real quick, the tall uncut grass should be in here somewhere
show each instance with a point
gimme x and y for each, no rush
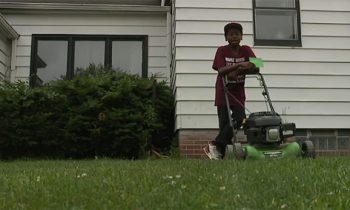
(323, 183)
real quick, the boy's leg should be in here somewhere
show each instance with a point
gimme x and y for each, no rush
(216, 149)
(225, 131)
(225, 134)
(238, 115)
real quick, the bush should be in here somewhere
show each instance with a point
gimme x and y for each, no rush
(100, 112)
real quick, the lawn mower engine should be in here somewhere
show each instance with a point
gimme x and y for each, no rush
(267, 128)
(267, 134)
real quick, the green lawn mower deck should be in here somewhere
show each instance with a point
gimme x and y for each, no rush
(267, 135)
(267, 138)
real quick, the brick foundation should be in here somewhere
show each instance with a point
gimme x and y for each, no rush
(191, 142)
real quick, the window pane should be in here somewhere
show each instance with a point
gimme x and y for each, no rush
(89, 52)
(276, 3)
(127, 56)
(51, 60)
(276, 25)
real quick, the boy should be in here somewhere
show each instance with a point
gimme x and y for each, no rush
(231, 60)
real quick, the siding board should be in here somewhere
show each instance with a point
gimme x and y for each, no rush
(325, 29)
(53, 19)
(324, 5)
(211, 14)
(237, 14)
(2, 70)
(5, 46)
(217, 27)
(290, 108)
(22, 72)
(208, 27)
(322, 17)
(110, 30)
(5, 55)
(297, 54)
(157, 62)
(157, 51)
(304, 121)
(23, 61)
(276, 81)
(24, 40)
(3, 58)
(153, 41)
(23, 50)
(162, 72)
(118, 2)
(273, 67)
(214, 40)
(276, 94)
(214, 4)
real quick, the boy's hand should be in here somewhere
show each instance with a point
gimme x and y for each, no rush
(246, 65)
(232, 75)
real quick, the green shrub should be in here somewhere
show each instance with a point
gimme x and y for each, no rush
(100, 112)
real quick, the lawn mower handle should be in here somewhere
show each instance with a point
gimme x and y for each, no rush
(265, 94)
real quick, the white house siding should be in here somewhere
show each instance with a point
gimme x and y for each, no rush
(5, 56)
(90, 23)
(310, 85)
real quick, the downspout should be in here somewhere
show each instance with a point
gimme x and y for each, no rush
(13, 35)
(162, 3)
(13, 60)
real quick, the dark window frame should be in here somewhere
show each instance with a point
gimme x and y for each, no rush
(275, 42)
(71, 38)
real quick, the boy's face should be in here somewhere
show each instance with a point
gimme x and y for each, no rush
(234, 37)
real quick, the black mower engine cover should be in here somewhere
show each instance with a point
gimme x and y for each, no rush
(267, 128)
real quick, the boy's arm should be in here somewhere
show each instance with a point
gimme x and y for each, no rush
(250, 69)
(219, 63)
(244, 68)
(229, 69)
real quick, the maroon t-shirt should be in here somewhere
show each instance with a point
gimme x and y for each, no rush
(224, 57)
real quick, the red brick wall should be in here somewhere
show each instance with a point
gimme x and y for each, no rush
(191, 143)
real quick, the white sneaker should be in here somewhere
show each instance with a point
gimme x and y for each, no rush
(212, 152)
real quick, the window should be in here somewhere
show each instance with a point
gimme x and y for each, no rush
(125, 55)
(51, 64)
(86, 52)
(59, 56)
(277, 22)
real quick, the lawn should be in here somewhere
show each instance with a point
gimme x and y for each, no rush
(323, 183)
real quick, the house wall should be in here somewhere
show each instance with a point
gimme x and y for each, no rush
(5, 56)
(112, 23)
(120, 2)
(310, 85)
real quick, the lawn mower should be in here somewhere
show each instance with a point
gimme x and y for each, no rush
(265, 131)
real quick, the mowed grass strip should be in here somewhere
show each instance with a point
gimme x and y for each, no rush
(323, 183)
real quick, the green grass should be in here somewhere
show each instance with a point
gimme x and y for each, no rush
(323, 183)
